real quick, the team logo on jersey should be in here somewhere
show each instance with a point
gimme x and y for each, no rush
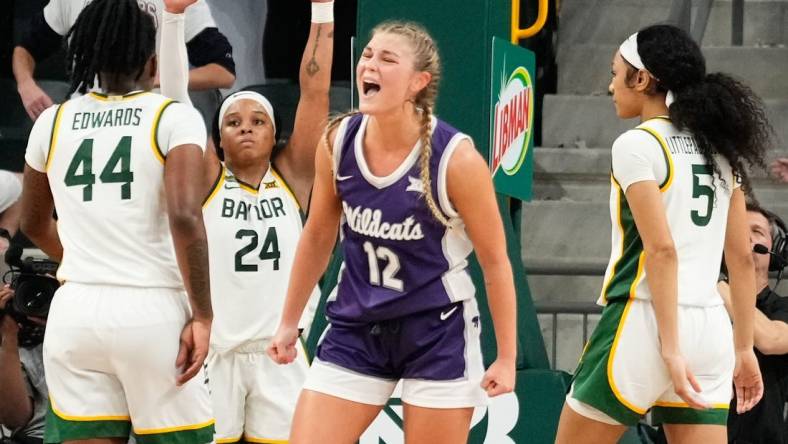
(513, 122)
(415, 184)
(369, 222)
(269, 185)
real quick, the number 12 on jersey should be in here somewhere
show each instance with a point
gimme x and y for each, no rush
(387, 277)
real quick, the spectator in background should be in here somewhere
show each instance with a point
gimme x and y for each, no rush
(766, 422)
(209, 52)
(23, 404)
(10, 190)
(780, 169)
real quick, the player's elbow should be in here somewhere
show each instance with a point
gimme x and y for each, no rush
(222, 78)
(771, 342)
(186, 219)
(662, 252)
(32, 227)
(739, 261)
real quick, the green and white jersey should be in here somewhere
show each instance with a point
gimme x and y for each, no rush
(696, 203)
(253, 233)
(104, 158)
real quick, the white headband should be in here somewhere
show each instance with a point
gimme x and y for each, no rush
(629, 52)
(251, 95)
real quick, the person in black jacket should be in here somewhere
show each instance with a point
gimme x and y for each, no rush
(766, 422)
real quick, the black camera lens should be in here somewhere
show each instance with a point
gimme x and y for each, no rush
(33, 295)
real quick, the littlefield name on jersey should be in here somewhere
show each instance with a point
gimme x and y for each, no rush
(367, 221)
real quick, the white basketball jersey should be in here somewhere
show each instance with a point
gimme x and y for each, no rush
(104, 158)
(696, 202)
(252, 239)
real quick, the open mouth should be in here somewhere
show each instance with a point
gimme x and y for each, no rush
(370, 88)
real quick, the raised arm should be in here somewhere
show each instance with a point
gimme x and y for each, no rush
(471, 191)
(311, 259)
(297, 161)
(173, 60)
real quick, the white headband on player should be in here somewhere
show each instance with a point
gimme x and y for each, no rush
(251, 95)
(629, 52)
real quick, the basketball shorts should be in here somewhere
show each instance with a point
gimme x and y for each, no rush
(253, 397)
(109, 361)
(435, 354)
(621, 374)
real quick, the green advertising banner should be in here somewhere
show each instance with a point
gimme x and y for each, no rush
(512, 118)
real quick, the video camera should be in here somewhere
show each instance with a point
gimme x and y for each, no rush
(34, 287)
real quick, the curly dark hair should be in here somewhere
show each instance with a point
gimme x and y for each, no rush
(112, 37)
(725, 116)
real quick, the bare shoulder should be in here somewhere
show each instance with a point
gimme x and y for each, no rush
(466, 158)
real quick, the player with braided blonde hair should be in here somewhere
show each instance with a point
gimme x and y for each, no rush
(414, 198)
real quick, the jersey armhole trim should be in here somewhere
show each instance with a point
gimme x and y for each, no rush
(286, 187)
(53, 136)
(339, 139)
(155, 131)
(665, 154)
(217, 184)
(443, 168)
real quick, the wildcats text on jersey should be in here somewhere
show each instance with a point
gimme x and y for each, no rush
(367, 222)
(112, 117)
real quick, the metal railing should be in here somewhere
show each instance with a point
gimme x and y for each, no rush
(554, 309)
(517, 33)
(681, 16)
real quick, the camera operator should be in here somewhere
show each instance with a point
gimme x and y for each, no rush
(766, 422)
(24, 401)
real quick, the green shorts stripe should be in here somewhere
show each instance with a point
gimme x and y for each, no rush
(58, 429)
(591, 383)
(188, 436)
(688, 415)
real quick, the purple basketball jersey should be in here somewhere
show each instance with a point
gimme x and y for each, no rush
(398, 259)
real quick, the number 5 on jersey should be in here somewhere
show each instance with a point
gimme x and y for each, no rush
(83, 159)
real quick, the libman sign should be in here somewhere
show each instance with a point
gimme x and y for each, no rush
(512, 119)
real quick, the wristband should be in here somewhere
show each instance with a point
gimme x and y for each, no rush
(323, 12)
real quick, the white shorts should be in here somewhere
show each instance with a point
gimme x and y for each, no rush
(622, 375)
(253, 397)
(465, 391)
(109, 360)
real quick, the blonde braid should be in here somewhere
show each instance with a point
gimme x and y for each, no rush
(424, 163)
(333, 124)
(426, 60)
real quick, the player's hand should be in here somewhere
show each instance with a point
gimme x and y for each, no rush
(499, 378)
(779, 169)
(282, 348)
(4, 244)
(684, 382)
(177, 6)
(193, 350)
(747, 380)
(34, 99)
(9, 328)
